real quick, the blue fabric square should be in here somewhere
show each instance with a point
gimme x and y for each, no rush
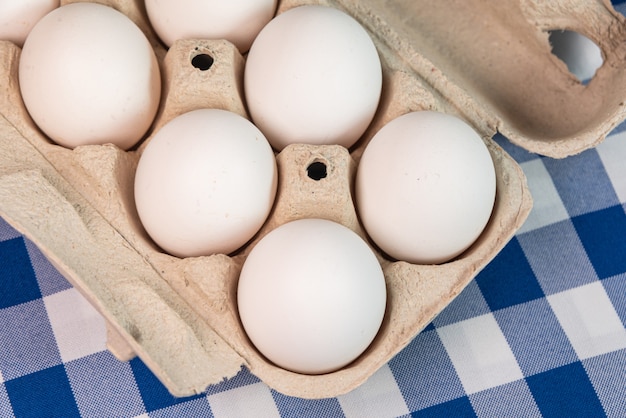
(565, 392)
(155, 396)
(302, 408)
(46, 393)
(603, 234)
(426, 361)
(582, 182)
(101, 382)
(565, 265)
(458, 408)
(508, 280)
(18, 283)
(535, 336)
(27, 341)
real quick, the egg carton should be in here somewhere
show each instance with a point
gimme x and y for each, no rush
(487, 62)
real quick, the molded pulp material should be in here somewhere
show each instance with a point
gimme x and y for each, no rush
(486, 62)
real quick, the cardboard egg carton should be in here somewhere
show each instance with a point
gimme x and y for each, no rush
(488, 62)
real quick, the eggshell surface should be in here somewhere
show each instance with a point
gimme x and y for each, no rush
(205, 183)
(311, 296)
(425, 187)
(17, 17)
(88, 75)
(313, 76)
(238, 21)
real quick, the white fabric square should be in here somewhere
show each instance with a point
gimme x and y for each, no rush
(78, 328)
(480, 353)
(589, 320)
(548, 208)
(613, 155)
(244, 402)
(378, 397)
(1, 377)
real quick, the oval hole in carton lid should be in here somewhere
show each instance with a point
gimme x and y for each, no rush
(581, 55)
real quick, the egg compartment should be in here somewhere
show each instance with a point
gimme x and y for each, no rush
(179, 315)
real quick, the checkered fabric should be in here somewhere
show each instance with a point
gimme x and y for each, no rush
(539, 332)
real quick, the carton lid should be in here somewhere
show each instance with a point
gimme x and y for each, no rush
(492, 61)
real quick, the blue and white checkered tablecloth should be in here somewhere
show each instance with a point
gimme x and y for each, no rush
(540, 331)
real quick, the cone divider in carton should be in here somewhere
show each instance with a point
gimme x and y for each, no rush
(180, 315)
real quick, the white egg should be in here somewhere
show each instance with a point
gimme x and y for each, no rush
(17, 17)
(88, 75)
(311, 296)
(238, 21)
(205, 183)
(313, 75)
(425, 187)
